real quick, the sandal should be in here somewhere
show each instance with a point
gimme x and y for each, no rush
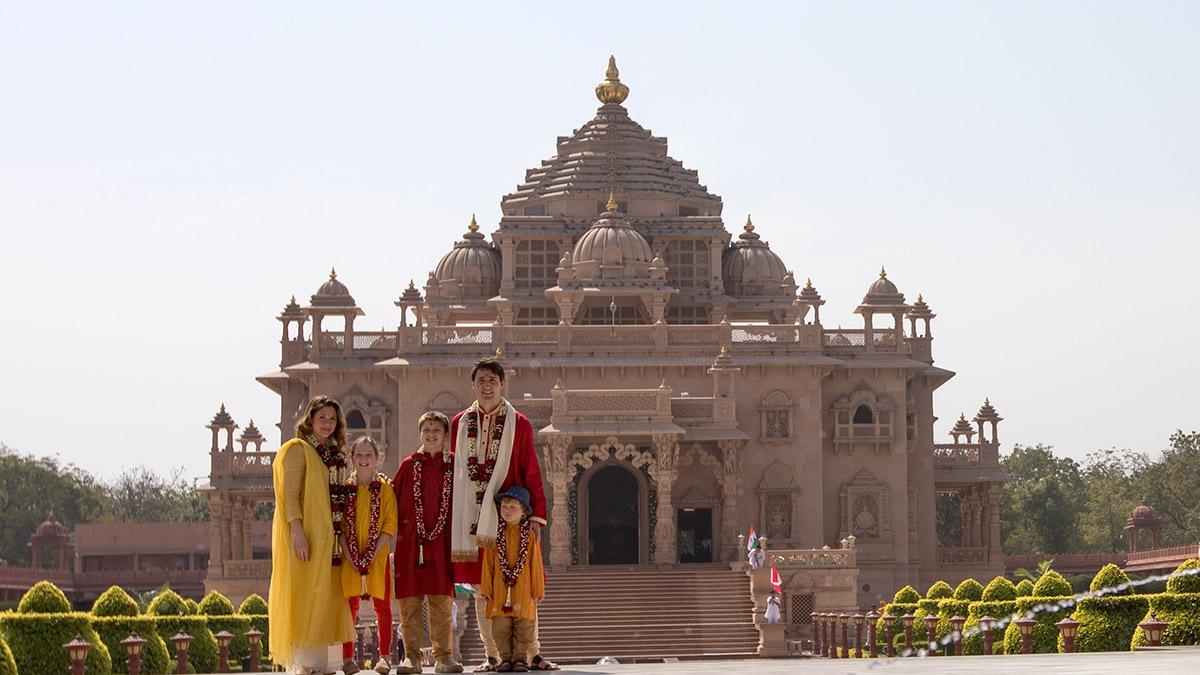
(505, 666)
(540, 662)
(488, 666)
(520, 667)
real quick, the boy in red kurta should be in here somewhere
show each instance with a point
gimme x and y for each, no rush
(423, 571)
(513, 581)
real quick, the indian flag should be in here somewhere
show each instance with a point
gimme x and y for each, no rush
(752, 542)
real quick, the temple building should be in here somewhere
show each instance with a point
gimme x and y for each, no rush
(680, 382)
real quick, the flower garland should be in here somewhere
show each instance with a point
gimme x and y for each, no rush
(361, 559)
(423, 535)
(511, 574)
(336, 463)
(481, 475)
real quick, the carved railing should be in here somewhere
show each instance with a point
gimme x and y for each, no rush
(531, 335)
(630, 336)
(765, 334)
(956, 454)
(1177, 554)
(466, 335)
(833, 557)
(962, 555)
(689, 408)
(680, 336)
(375, 341)
(616, 401)
(246, 569)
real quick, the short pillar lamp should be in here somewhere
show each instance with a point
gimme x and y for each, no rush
(889, 627)
(816, 624)
(1153, 628)
(77, 650)
(1068, 627)
(873, 631)
(1025, 624)
(931, 632)
(360, 652)
(133, 651)
(255, 637)
(827, 620)
(223, 639)
(844, 621)
(181, 640)
(908, 619)
(988, 623)
(956, 625)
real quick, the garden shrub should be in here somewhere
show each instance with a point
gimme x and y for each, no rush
(939, 591)
(969, 589)
(255, 608)
(1001, 610)
(168, 603)
(156, 654)
(1188, 583)
(239, 646)
(1051, 585)
(37, 639)
(1024, 589)
(8, 665)
(908, 594)
(1000, 589)
(193, 608)
(1107, 623)
(253, 605)
(215, 604)
(1110, 576)
(1045, 633)
(1080, 583)
(173, 615)
(44, 598)
(1181, 611)
(115, 602)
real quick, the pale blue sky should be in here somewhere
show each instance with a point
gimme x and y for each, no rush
(171, 173)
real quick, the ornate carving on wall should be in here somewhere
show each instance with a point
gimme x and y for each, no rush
(865, 506)
(666, 449)
(779, 516)
(800, 582)
(697, 455)
(864, 515)
(777, 497)
(777, 475)
(611, 447)
(695, 498)
(447, 403)
(776, 411)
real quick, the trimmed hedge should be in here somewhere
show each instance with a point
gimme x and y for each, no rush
(1052, 584)
(1045, 633)
(37, 639)
(44, 598)
(156, 654)
(168, 603)
(255, 608)
(939, 591)
(1110, 576)
(1181, 611)
(193, 607)
(1001, 610)
(239, 646)
(253, 605)
(908, 594)
(1001, 589)
(173, 615)
(215, 604)
(1024, 589)
(115, 602)
(1185, 584)
(8, 665)
(1107, 623)
(969, 589)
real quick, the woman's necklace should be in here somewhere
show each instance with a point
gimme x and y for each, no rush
(424, 536)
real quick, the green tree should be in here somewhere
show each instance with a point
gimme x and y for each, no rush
(1110, 477)
(1040, 509)
(1172, 487)
(139, 495)
(33, 487)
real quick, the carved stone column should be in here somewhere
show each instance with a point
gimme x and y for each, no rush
(731, 455)
(247, 538)
(995, 554)
(236, 521)
(558, 451)
(666, 450)
(216, 558)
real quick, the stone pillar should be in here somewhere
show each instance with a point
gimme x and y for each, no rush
(995, 554)
(237, 510)
(977, 518)
(247, 538)
(558, 451)
(731, 455)
(666, 449)
(216, 557)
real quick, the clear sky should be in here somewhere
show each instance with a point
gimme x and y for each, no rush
(171, 173)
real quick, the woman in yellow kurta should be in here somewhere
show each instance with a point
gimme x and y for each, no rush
(306, 608)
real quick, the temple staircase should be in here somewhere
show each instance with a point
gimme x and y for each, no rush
(641, 613)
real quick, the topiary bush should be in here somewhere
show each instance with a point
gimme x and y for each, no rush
(969, 589)
(1001, 610)
(255, 609)
(115, 602)
(897, 610)
(44, 598)
(1045, 633)
(1052, 585)
(1188, 583)
(1181, 611)
(8, 665)
(908, 594)
(939, 591)
(193, 608)
(1107, 623)
(253, 605)
(215, 604)
(1110, 576)
(1000, 589)
(1024, 589)
(168, 603)
(156, 654)
(174, 615)
(37, 639)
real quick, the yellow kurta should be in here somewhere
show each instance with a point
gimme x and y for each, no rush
(379, 575)
(531, 583)
(305, 606)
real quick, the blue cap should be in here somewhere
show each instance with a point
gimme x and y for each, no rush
(518, 493)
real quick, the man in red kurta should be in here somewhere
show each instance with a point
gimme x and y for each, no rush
(494, 450)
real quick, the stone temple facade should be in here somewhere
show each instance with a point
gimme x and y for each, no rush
(678, 377)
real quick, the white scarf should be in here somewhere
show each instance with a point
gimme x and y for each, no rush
(463, 546)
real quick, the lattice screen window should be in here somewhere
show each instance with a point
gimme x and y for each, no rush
(687, 263)
(777, 424)
(799, 609)
(536, 316)
(535, 262)
(687, 315)
(597, 315)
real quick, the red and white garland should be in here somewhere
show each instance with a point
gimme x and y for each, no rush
(336, 463)
(482, 475)
(511, 574)
(362, 558)
(423, 535)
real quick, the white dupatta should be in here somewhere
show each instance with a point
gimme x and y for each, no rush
(467, 514)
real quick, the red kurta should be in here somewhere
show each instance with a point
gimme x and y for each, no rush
(523, 470)
(436, 577)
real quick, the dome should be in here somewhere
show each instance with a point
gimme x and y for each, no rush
(473, 265)
(1145, 515)
(50, 529)
(883, 285)
(611, 241)
(882, 293)
(750, 267)
(332, 293)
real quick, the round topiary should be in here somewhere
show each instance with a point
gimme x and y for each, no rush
(44, 598)
(168, 603)
(1024, 589)
(1111, 576)
(253, 605)
(215, 604)
(908, 594)
(8, 665)
(115, 602)
(1052, 584)
(1186, 583)
(1000, 590)
(193, 608)
(969, 589)
(939, 591)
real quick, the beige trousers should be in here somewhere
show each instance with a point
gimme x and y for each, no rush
(489, 642)
(514, 637)
(412, 626)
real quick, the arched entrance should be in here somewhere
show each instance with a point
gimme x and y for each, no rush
(613, 517)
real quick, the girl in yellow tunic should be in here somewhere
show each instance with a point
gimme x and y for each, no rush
(306, 608)
(367, 539)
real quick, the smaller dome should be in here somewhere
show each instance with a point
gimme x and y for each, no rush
(473, 265)
(750, 267)
(332, 293)
(222, 419)
(1144, 515)
(50, 528)
(883, 285)
(610, 241)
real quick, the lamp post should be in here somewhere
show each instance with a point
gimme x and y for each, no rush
(830, 636)
(931, 632)
(816, 624)
(255, 637)
(988, 623)
(181, 640)
(844, 621)
(375, 641)
(223, 639)
(359, 649)
(908, 622)
(1068, 627)
(872, 631)
(956, 625)
(858, 626)
(1026, 624)
(889, 626)
(77, 650)
(133, 650)
(1153, 628)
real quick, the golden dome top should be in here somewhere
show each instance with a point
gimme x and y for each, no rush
(611, 90)
(474, 226)
(612, 204)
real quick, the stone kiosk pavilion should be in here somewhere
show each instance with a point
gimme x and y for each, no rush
(678, 377)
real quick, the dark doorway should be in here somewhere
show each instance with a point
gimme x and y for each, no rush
(612, 517)
(695, 535)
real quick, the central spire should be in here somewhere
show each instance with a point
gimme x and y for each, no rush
(611, 90)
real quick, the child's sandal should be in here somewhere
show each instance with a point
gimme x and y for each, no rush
(505, 666)
(520, 667)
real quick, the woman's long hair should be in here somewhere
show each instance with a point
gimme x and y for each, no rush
(304, 428)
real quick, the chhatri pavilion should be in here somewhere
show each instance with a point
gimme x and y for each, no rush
(681, 385)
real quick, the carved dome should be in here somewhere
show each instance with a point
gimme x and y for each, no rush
(50, 529)
(750, 267)
(610, 241)
(883, 285)
(332, 293)
(1145, 515)
(882, 294)
(472, 266)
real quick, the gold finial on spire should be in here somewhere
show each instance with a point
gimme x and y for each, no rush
(808, 284)
(986, 401)
(222, 407)
(723, 352)
(749, 227)
(920, 298)
(474, 226)
(882, 273)
(962, 416)
(497, 352)
(612, 204)
(411, 284)
(611, 90)
(332, 273)
(293, 299)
